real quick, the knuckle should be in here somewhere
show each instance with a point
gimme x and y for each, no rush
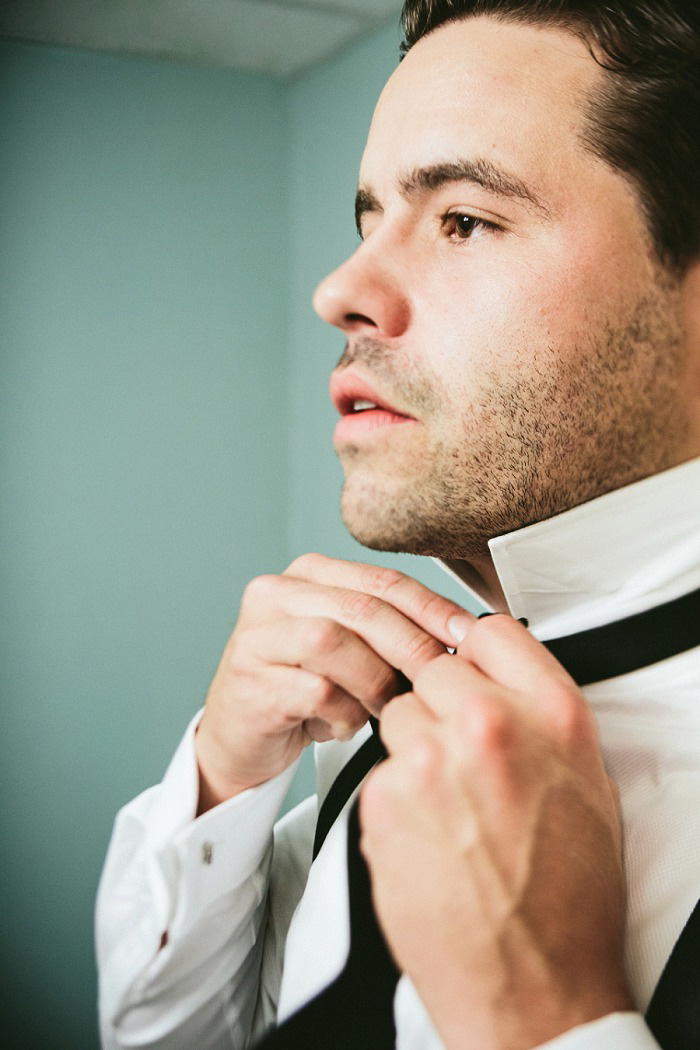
(344, 715)
(320, 691)
(381, 581)
(356, 716)
(491, 729)
(424, 759)
(382, 686)
(573, 719)
(358, 606)
(236, 661)
(317, 730)
(423, 648)
(429, 605)
(322, 637)
(257, 590)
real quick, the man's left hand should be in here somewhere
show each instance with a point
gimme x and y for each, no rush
(492, 834)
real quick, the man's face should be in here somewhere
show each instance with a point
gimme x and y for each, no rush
(504, 302)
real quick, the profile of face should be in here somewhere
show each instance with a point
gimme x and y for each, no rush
(504, 309)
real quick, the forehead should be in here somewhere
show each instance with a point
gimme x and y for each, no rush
(511, 92)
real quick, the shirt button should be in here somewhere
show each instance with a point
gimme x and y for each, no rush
(207, 852)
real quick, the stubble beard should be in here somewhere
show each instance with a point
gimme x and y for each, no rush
(533, 443)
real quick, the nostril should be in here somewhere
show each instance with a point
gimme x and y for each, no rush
(359, 319)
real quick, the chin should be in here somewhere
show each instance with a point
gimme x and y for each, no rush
(372, 534)
(380, 529)
(402, 523)
(394, 530)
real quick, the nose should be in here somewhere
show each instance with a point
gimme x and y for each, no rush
(364, 296)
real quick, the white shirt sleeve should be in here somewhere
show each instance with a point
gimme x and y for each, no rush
(184, 916)
(623, 1031)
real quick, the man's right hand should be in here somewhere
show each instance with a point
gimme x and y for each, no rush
(311, 657)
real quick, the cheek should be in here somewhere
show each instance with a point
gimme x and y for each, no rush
(524, 300)
(561, 303)
(596, 273)
(472, 323)
(459, 308)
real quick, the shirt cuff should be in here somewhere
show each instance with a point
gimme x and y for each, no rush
(209, 857)
(623, 1031)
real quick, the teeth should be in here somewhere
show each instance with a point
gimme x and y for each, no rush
(360, 405)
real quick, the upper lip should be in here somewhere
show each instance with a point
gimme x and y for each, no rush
(347, 387)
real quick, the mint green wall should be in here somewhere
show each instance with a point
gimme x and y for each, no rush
(165, 435)
(143, 376)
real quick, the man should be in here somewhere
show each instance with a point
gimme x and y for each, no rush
(520, 397)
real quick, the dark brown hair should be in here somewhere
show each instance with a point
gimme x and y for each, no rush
(646, 120)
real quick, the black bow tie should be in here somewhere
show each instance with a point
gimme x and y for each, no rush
(632, 643)
(356, 1010)
(590, 656)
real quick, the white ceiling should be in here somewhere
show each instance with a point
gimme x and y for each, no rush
(276, 37)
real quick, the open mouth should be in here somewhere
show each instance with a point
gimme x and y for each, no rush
(352, 395)
(361, 404)
(362, 409)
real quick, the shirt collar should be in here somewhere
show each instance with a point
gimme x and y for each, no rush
(614, 556)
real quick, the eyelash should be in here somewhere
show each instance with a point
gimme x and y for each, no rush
(452, 217)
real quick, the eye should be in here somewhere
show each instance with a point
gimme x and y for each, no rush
(460, 226)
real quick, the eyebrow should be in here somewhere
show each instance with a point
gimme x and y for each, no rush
(480, 172)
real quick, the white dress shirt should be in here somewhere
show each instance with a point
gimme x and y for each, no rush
(251, 933)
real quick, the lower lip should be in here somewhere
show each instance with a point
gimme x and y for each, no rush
(358, 424)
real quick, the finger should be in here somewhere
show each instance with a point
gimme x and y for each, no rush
(300, 696)
(505, 651)
(492, 716)
(449, 684)
(507, 654)
(424, 607)
(405, 791)
(404, 722)
(393, 636)
(326, 648)
(486, 731)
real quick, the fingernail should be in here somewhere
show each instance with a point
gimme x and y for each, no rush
(458, 627)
